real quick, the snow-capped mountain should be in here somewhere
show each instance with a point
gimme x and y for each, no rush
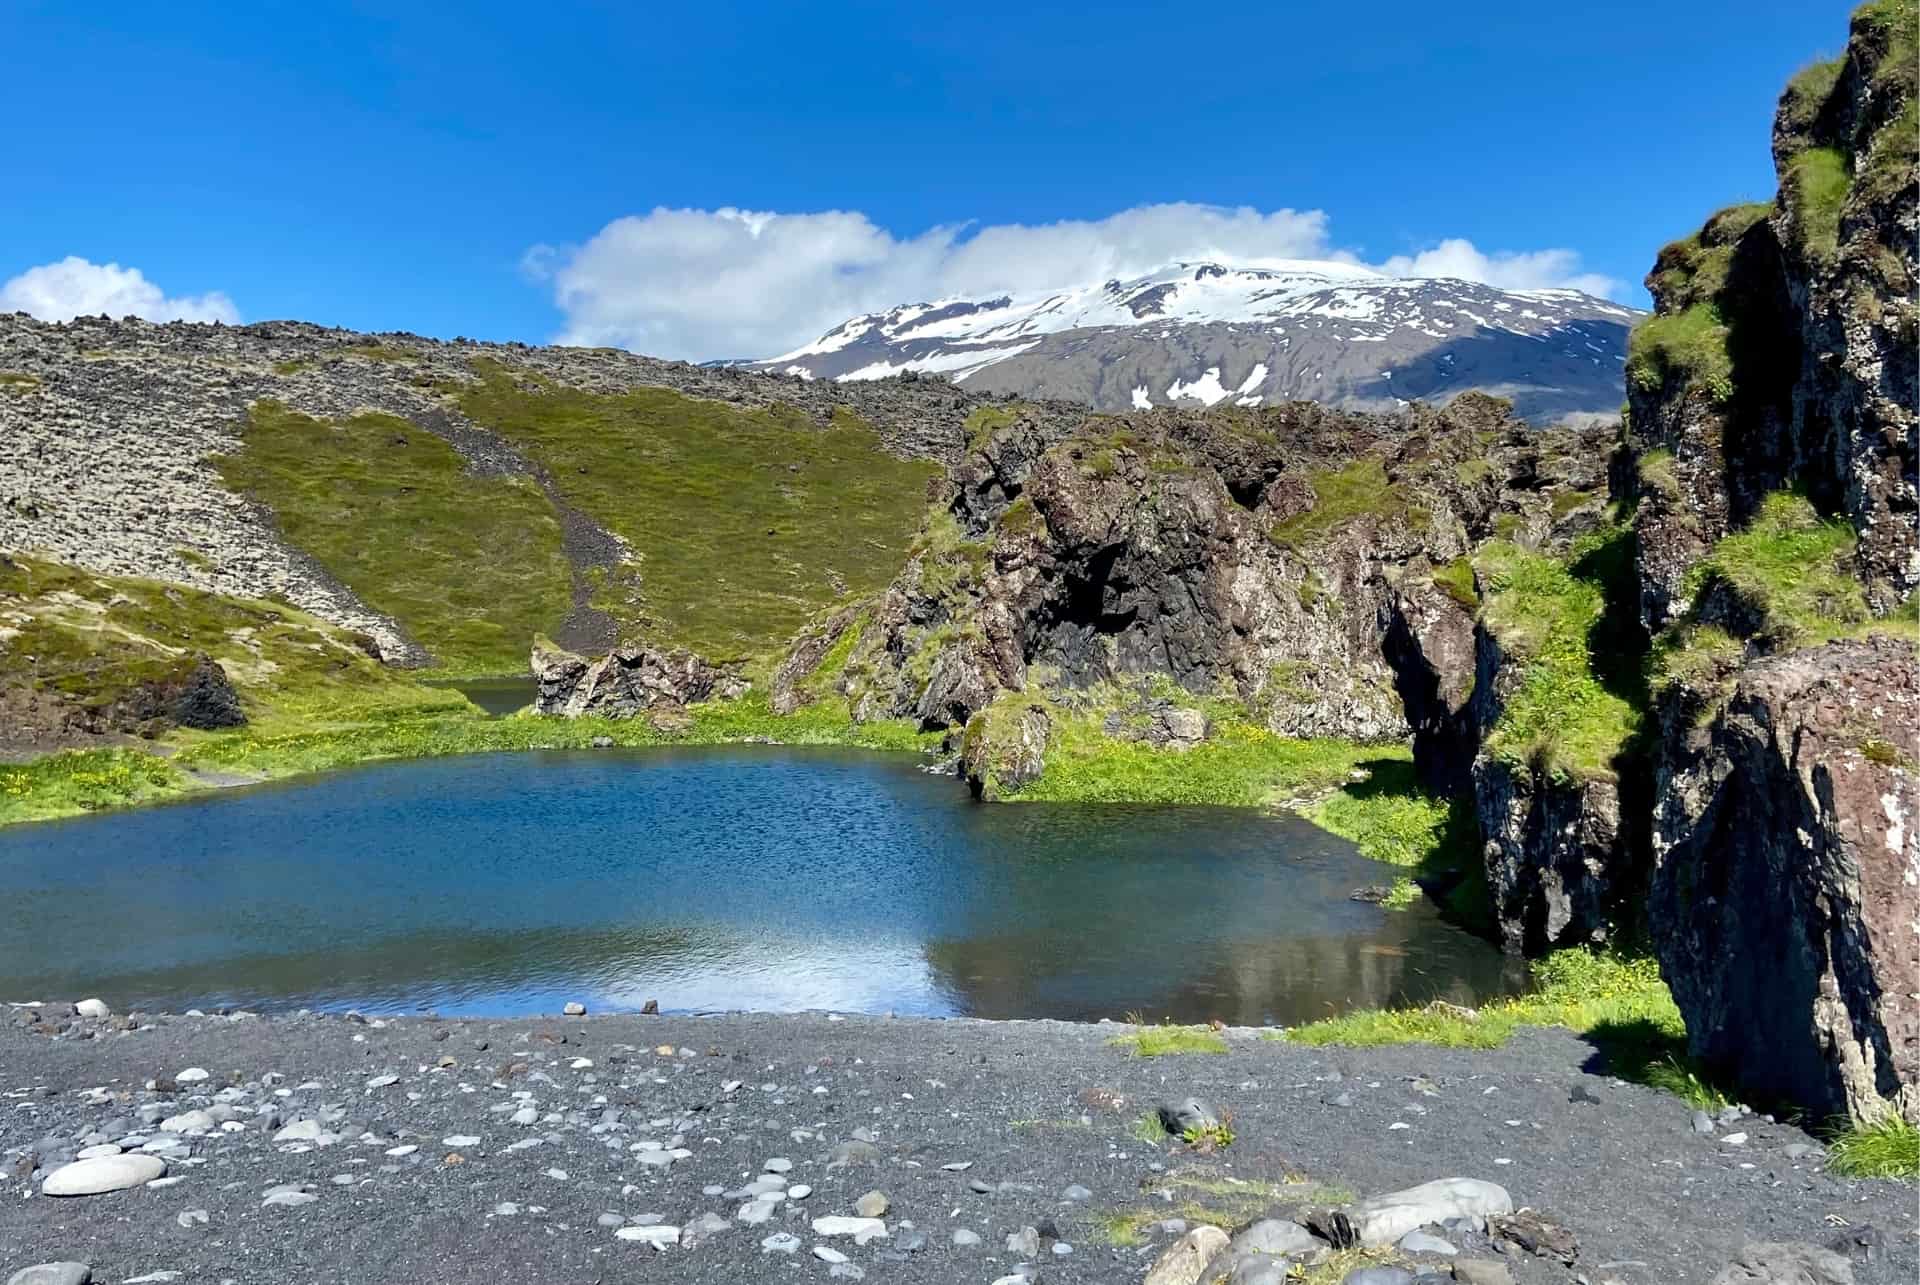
(1202, 334)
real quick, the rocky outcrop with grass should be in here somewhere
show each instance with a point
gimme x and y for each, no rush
(1259, 558)
(90, 660)
(629, 681)
(1772, 426)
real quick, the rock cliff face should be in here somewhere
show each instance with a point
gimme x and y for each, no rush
(1787, 839)
(1265, 558)
(1785, 891)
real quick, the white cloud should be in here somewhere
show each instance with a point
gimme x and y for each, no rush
(1506, 269)
(74, 287)
(740, 283)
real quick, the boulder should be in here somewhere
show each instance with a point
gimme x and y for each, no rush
(1005, 746)
(1188, 1258)
(1189, 1113)
(1382, 1220)
(52, 1274)
(103, 1174)
(1786, 878)
(631, 680)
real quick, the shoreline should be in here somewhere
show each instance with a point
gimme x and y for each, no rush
(436, 1142)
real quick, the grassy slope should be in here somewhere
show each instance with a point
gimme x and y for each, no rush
(746, 522)
(470, 566)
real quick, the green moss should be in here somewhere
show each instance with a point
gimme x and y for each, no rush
(1022, 518)
(982, 421)
(293, 366)
(1563, 716)
(1897, 25)
(1885, 753)
(1455, 579)
(18, 381)
(1472, 472)
(394, 513)
(1565, 502)
(1166, 1041)
(747, 522)
(1656, 473)
(1886, 1148)
(1392, 818)
(1342, 495)
(1818, 180)
(1885, 174)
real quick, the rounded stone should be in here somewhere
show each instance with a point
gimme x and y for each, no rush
(52, 1274)
(103, 1174)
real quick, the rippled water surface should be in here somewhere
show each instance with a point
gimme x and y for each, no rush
(708, 879)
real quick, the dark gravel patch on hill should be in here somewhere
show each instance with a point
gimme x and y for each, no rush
(1038, 1106)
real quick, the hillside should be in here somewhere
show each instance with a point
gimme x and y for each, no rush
(1199, 334)
(453, 500)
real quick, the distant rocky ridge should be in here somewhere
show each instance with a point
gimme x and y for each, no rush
(1200, 334)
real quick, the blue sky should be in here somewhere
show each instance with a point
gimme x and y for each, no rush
(390, 166)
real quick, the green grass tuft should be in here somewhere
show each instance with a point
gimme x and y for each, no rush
(1617, 1002)
(1819, 180)
(1165, 1041)
(1788, 563)
(1342, 495)
(394, 513)
(1690, 344)
(1887, 1148)
(1455, 580)
(1563, 715)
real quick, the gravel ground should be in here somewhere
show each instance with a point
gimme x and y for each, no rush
(490, 1151)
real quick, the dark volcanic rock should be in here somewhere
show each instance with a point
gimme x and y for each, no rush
(1787, 877)
(206, 699)
(1552, 854)
(630, 680)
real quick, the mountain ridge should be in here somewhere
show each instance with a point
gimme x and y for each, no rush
(1199, 333)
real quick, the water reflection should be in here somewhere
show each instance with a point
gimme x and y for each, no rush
(497, 697)
(708, 879)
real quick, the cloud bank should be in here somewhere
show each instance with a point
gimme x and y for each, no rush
(702, 284)
(74, 287)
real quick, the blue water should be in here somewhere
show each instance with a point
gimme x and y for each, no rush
(708, 879)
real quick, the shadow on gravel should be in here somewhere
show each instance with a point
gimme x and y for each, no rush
(1642, 1052)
